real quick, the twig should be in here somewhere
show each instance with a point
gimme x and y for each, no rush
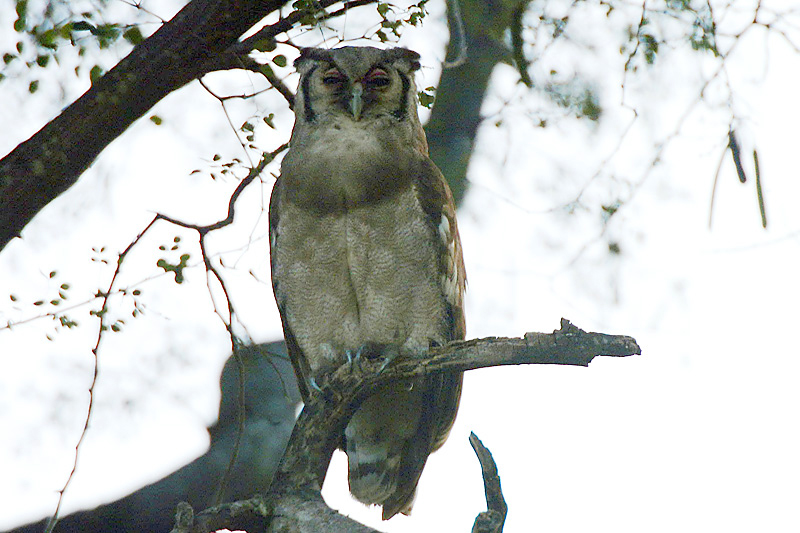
(761, 208)
(733, 144)
(493, 519)
(101, 314)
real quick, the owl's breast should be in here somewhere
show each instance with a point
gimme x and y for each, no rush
(367, 275)
(346, 164)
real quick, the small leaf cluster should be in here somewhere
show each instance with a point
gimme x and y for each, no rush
(391, 24)
(309, 10)
(278, 60)
(427, 97)
(178, 267)
(575, 96)
(220, 169)
(42, 35)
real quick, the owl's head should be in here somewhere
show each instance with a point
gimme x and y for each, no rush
(356, 83)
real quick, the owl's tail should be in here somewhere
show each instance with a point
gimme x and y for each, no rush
(382, 439)
(389, 438)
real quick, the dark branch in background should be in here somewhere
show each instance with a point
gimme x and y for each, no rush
(493, 519)
(270, 406)
(517, 46)
(456, 116)
(736, 154)
(457, 46)
(761, 208)
(318, 430)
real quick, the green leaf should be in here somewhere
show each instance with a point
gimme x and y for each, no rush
(82, 25)
(155, 119)
(279, 60)
(265, 45)
(42, 60)
(95, 74)
(426, 97)
(133, 35)
(650, 48)
(21, 7)
(107, 34)
(177, 269)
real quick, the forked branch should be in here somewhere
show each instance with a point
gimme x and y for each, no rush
(294, 500)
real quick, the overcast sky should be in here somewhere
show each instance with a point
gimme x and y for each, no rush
(697, 434)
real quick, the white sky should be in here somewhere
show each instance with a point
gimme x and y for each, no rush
(694, 435)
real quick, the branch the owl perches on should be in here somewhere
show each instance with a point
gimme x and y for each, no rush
(294, 502)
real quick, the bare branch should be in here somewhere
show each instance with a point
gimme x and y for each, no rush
(493, 519)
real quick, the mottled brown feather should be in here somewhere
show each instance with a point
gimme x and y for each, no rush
(360, 219)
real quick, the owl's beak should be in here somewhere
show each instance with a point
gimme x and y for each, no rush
(356, 101)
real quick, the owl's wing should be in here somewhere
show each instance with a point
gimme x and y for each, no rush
(300, 364)
(442, 391)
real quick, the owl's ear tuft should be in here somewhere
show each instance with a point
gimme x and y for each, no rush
(408, 59)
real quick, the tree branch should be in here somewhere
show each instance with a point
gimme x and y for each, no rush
(202, 37)
(323, 419)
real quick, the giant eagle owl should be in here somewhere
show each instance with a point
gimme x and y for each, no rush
(366, 257)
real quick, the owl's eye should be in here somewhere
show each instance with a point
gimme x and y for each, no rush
(377, 78)
(332, 77)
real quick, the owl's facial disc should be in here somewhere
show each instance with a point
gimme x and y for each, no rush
(354, 96)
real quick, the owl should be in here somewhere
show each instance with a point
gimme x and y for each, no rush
(366, 258)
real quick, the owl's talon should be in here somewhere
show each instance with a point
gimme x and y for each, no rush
(355, 358)
(312, 383)
(389, 355)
